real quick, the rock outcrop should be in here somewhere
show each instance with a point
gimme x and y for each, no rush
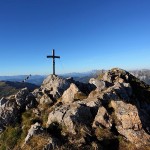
(129, 123)
(56, 85)
(102, 119)
(72, 93)
(93, 115)
(71, 116)
(115, 102)
(8, 113)
(100, 84)
(12, 107)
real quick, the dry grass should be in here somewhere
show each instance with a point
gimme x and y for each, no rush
(45, 109)
(100, 77)
(125, 145)
(36, 143)
(103, 134)
(80, 96)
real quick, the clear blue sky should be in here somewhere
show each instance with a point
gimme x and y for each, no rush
(87, 34)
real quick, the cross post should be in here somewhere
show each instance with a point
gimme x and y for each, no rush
(53, 57)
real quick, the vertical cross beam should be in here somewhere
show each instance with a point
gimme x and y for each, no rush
(53, 53)
(53, 57)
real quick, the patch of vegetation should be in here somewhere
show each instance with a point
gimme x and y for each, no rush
(45, 109)
(28, 118)
(80, 96)
(103, 134)
(100, 76)
(110, 141)
(10, 137)
(95, 93)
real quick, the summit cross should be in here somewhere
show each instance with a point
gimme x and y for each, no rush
(53, 57)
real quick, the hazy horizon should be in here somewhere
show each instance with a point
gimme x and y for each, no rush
(88, 71)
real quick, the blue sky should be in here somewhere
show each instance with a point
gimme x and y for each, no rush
(87, 34)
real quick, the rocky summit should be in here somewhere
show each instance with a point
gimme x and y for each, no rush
(110, 112)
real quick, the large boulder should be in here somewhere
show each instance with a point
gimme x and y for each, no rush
(8, 112)
(56, 85)
(43, 96)
(124, 90)
(102, 119)
(21, 97)
(70, 116)
(12, 107)
(100, 85)
(25, 99)
(128, 123)
(72, 93)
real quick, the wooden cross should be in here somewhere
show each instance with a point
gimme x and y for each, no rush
(53, 57)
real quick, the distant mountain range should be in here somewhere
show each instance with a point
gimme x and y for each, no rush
(143, 75)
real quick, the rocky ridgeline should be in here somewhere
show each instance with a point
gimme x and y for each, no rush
(93, 115)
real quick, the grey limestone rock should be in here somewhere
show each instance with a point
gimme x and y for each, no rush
(56, 85)
(71, 115)
(35, 129)
(21, 97)
(71, 94)
(11, 107)
(100, 85)
(8, 112)
(102, 119)
(130, 124)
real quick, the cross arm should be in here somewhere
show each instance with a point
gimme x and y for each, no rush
(57, 56)
(53, 56)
